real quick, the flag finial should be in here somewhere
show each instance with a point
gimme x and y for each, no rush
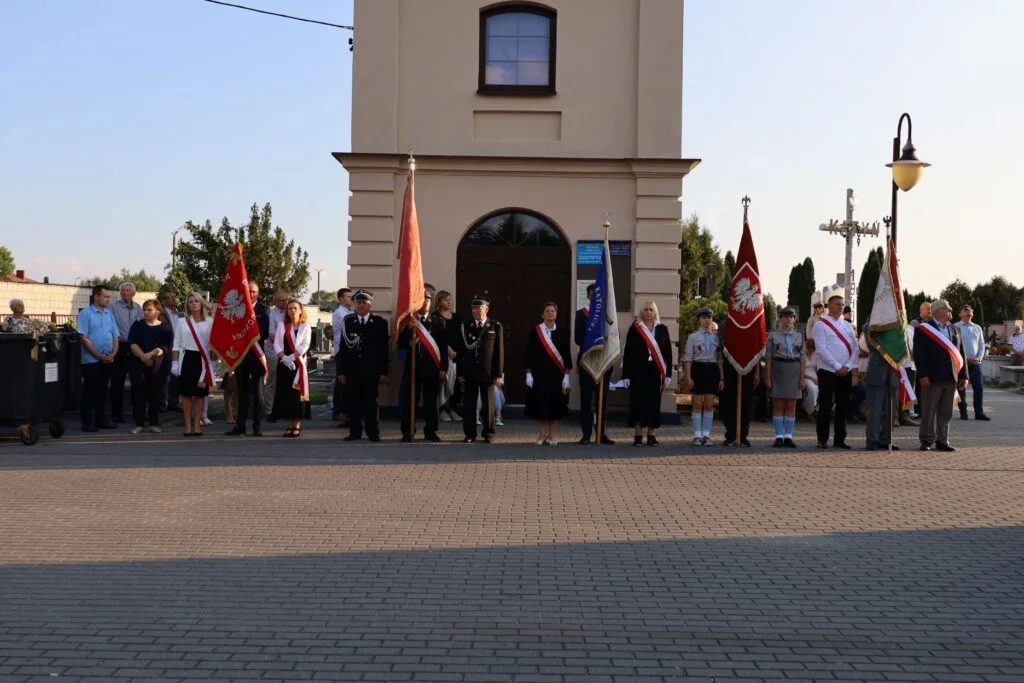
(412, 160)
(746, 204)
(607, 223)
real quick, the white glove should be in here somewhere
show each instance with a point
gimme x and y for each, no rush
(565, 382)
(529, 380)
(625, 384)
(668, 381)
(176, 367)
(289, 361)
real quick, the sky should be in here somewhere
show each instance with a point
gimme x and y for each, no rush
(122, 119)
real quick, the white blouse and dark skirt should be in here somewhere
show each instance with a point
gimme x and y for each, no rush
(287, 397)
(546, 401)
(190, 356)
(642, 367)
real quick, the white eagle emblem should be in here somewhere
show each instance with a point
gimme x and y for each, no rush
(233, 306)
(746, 296)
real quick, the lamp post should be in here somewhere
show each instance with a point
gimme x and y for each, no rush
(174, 248)
(318, 302)
(906, 167)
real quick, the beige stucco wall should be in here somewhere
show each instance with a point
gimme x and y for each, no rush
(608, 141)
(45, 298)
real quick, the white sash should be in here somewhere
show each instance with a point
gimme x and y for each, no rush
(653, 348)
(549, 346)
(427, 339)
(206, 376)
(947, 345)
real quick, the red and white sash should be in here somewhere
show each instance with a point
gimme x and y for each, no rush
(652, 348)
(549, 346)
(906, 390)
(301, 381)
(842, 337)
(262, 356)
(947, 345)
(427, 339)
(206, 376)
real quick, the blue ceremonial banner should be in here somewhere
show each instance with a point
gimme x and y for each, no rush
(600, 347)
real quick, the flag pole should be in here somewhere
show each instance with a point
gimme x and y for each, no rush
(739, 377)
(600, 380)
(412, 332)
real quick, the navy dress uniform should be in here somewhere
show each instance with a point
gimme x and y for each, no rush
(363, 355)
(431, 367)
(588, 387)
(481, 360)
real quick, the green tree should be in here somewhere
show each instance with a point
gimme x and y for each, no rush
(7, 264)
(271, 259)
(725, 279)
(801, 287)
(697, 251)
(867, 284)
(688, 314)
(1000, 299)
(143, 281)
(958, 294)
(322, 297)
(913, 302)
(178, 284)
(771, 312)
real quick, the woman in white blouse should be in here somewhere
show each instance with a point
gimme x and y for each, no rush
(192, 362)
(291, 343)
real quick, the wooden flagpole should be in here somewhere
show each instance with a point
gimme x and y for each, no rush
(600, 411)
(413, 340)
(739, 377)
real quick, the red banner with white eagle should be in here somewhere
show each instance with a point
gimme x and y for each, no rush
(235, 329)
(745, 333)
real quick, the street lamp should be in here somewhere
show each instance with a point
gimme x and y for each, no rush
(906, 167)
(174, 248)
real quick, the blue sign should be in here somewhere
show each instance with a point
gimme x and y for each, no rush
(589, 253)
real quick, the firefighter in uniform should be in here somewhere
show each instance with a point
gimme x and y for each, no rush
(481, 358)
(431, 369)
(363, 365)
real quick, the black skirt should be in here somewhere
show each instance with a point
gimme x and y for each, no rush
(191, 371)
(645, 397)
(546, 401)
(705, 378)
(287, 401)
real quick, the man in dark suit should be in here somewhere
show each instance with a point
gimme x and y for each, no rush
(431, 370)
(881, 412)
(481, 360)
(588, 387)
(251, 372)
(936, 351)
(363, 356)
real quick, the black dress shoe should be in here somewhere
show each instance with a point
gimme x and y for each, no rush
(235, 431)
(925, 447)
(869, 446)
(638, 441)
(488, 439)
(777, 443)
(352, 437)
(745, 442)
(605, 441)
(945, 448)
(374, 438)
(963, 416)
(432, 437)
(405, 439)
(727, 442)
(823, 444)
(256, 431)
(983, 418)
(894, 447)
(789, 443)
(845, 446)
(652, 441)
(584, 441)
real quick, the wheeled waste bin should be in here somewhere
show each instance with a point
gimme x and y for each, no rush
(32, 384)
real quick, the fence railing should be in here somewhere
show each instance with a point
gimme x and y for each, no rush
(53, 318)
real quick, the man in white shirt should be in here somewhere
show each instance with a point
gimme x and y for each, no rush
(275, 315)
(836, 347)
(344, 308)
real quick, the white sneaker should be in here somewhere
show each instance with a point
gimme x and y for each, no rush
(155, 430)
(708, 442)
(498, 422)
(207, 421)
(136, 430)
(697, 441)
(541, 442)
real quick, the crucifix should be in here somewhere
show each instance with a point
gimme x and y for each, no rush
(849, 229)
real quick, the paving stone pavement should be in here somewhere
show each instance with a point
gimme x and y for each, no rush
(152, 558)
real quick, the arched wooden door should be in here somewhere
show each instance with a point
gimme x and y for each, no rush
(522, 261)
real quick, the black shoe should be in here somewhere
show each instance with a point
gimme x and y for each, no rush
(256, 431)
(909, 422)
(469, 439)
(352, 437)
(870, 446)
(638, 441)
(894, 447)
(235, 431)
(432, 437)
(90, 428)
(374, 438)
(823, 444)
(842, 444)
(789, 443)
(584, 441)
(727, 442)
(777, 443)
(605, 441)
(272, 418)
(945, 448)
(405, 439)
(488, 438)
(107, 425)
(652, 441)
(983, 418)
(963, 416)
(745, 442)
(925, 447)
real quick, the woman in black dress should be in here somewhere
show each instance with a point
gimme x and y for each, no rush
(548, 363)
(445, 317)
(291, 344)
(647, 370)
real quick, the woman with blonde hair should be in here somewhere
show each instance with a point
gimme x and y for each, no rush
(646, 371)
(191, 361)
(291, 343)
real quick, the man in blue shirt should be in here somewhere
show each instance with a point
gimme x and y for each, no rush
(973, 339)
(98, 333)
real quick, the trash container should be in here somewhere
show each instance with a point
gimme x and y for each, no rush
(31, 386)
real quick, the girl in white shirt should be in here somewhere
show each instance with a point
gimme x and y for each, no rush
(291, 344)
(192, 362)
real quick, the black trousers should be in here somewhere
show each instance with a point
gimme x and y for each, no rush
(95, 381)
(427, 390)
(120, 369)
(146, 388)
(485, 390)
(727, 402)
(251, 390)
(831, 388)
(362, 406)
(588, 404)
(340, 402)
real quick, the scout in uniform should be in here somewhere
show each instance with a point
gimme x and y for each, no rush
(784, 372)
(702, 365)
(431, 368)
(363, 365)
(835, 345)
(481, 359)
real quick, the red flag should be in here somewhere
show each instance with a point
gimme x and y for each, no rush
(235, 329)
(409, 298)
(745, 334)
